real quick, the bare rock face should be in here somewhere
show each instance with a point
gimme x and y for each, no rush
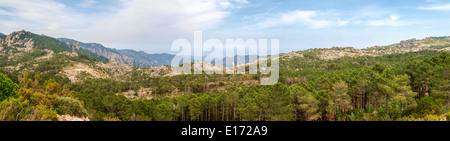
(115, 68)
(48, 56)
(16, 40)
(141, 93)
(71, 118)
(291, 55)
(158, 71)
(130, 94)
(408, 43)
(74, 72)
(411, 45)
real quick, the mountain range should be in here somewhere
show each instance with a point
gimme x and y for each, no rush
(126, 56)
(143, 59)
(32, 52)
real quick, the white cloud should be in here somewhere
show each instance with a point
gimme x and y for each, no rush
(157, 20)
(375, 16)
(47, 13)
(88, 3)
(132, 21)
(225, 4)
(7, 26)
(394, 17)
(241, 1)
(392, 20)
(307, 18)
(444, 7)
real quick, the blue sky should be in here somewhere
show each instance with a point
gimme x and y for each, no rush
(152, 25)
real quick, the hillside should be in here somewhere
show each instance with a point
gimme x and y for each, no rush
(129, 57)
(412, 45)
(40, 54)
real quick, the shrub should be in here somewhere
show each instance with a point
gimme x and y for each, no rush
(22, 111)
(7, 87)
(69, 106)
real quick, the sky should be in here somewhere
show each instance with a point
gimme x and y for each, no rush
(152, 25)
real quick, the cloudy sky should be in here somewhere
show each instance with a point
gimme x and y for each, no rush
(152, 25)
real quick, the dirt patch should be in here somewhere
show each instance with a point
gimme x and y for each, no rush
(74, 71)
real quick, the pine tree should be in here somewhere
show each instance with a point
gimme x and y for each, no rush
(402, 92)
(305, 106)
(339, 97)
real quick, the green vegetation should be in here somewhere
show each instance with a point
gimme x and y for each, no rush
(36, 102)
(361, 88)
(7, 87)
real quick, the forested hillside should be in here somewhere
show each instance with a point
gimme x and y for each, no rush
(45, 79)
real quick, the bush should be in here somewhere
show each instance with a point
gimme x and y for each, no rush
(23, 111)
(7, 87)
(69, 106)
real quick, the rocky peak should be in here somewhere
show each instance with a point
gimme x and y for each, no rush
(19, 40)
(411, 45)
(408, 43)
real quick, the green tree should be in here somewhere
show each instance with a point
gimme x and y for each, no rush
(442, 85)
(324, 101)
(386, 86)
(304, 104)
(402, 91)
(7, 87)
(339, 97)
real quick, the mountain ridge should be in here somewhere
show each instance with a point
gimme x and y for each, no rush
(125, 56)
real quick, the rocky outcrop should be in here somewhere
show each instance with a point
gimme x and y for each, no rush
(71, 118)
(17, 40)
(158, 71)
(291, 55)
(411, 45)
(144, 93)
(408, 43)
(47, 56)
(115, 69)
(338, 53)
(81, 71)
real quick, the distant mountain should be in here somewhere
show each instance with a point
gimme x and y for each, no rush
(129, 57)
(153, 59)
(247, 59)
(1, 34)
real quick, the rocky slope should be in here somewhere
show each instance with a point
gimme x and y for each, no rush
(39, 54)
(411, 45)
(129, 57)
